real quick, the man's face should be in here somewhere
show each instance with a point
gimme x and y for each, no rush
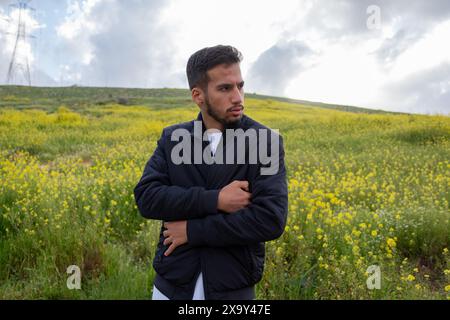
(224, 97)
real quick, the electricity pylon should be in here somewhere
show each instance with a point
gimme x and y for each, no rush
(20, 64)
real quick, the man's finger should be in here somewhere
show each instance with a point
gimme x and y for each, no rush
(170, 250)
(165, 233)
(243, 185)
(167, 241)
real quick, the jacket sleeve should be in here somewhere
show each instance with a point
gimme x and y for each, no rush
(263, 220)
(157, 199)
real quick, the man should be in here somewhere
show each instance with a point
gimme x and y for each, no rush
(216, 216)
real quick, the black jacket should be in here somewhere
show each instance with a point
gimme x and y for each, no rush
(227, 248)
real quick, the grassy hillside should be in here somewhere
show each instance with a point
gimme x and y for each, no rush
(79, 97)
(364, 189)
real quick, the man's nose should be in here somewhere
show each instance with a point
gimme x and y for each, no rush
(237, 96)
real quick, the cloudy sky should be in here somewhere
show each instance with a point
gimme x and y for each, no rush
(385, 54)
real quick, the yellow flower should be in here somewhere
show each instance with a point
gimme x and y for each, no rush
(374, 233)
(447, 288)
(348, 238)
(279, 251)
(410, 278)
(324, 266)
(391, 243)
(356, 233)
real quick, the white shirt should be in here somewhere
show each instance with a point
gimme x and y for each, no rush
(199, 291)
(214, 139)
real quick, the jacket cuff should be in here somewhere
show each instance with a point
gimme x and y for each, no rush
(209, 201)
(195, 232)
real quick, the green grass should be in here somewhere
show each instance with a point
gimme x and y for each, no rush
(365, 188)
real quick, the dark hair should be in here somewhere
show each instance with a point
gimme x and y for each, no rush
(207, 58)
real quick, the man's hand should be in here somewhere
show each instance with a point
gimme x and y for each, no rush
(234, 197)
(175, 235)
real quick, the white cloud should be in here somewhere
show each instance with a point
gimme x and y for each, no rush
(424, 91)
(76, 32)
(342, 76)
(430, 50)
(275, 67)
(252, 26)
(358, 66)
(24, 56)
(307, 49)
(118, 43)
(78, 22)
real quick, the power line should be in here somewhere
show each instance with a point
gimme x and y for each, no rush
(20, 65)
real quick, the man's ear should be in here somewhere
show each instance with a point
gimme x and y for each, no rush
(198, 96)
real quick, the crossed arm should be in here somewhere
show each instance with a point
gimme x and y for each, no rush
(233, 197)
(191, 213)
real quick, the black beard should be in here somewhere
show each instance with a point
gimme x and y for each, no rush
(212, 113)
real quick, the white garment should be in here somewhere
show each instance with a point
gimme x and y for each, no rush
(158, 295)
(214, 139)
(199, 292)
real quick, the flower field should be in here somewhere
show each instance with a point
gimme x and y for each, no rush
(365, 189)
